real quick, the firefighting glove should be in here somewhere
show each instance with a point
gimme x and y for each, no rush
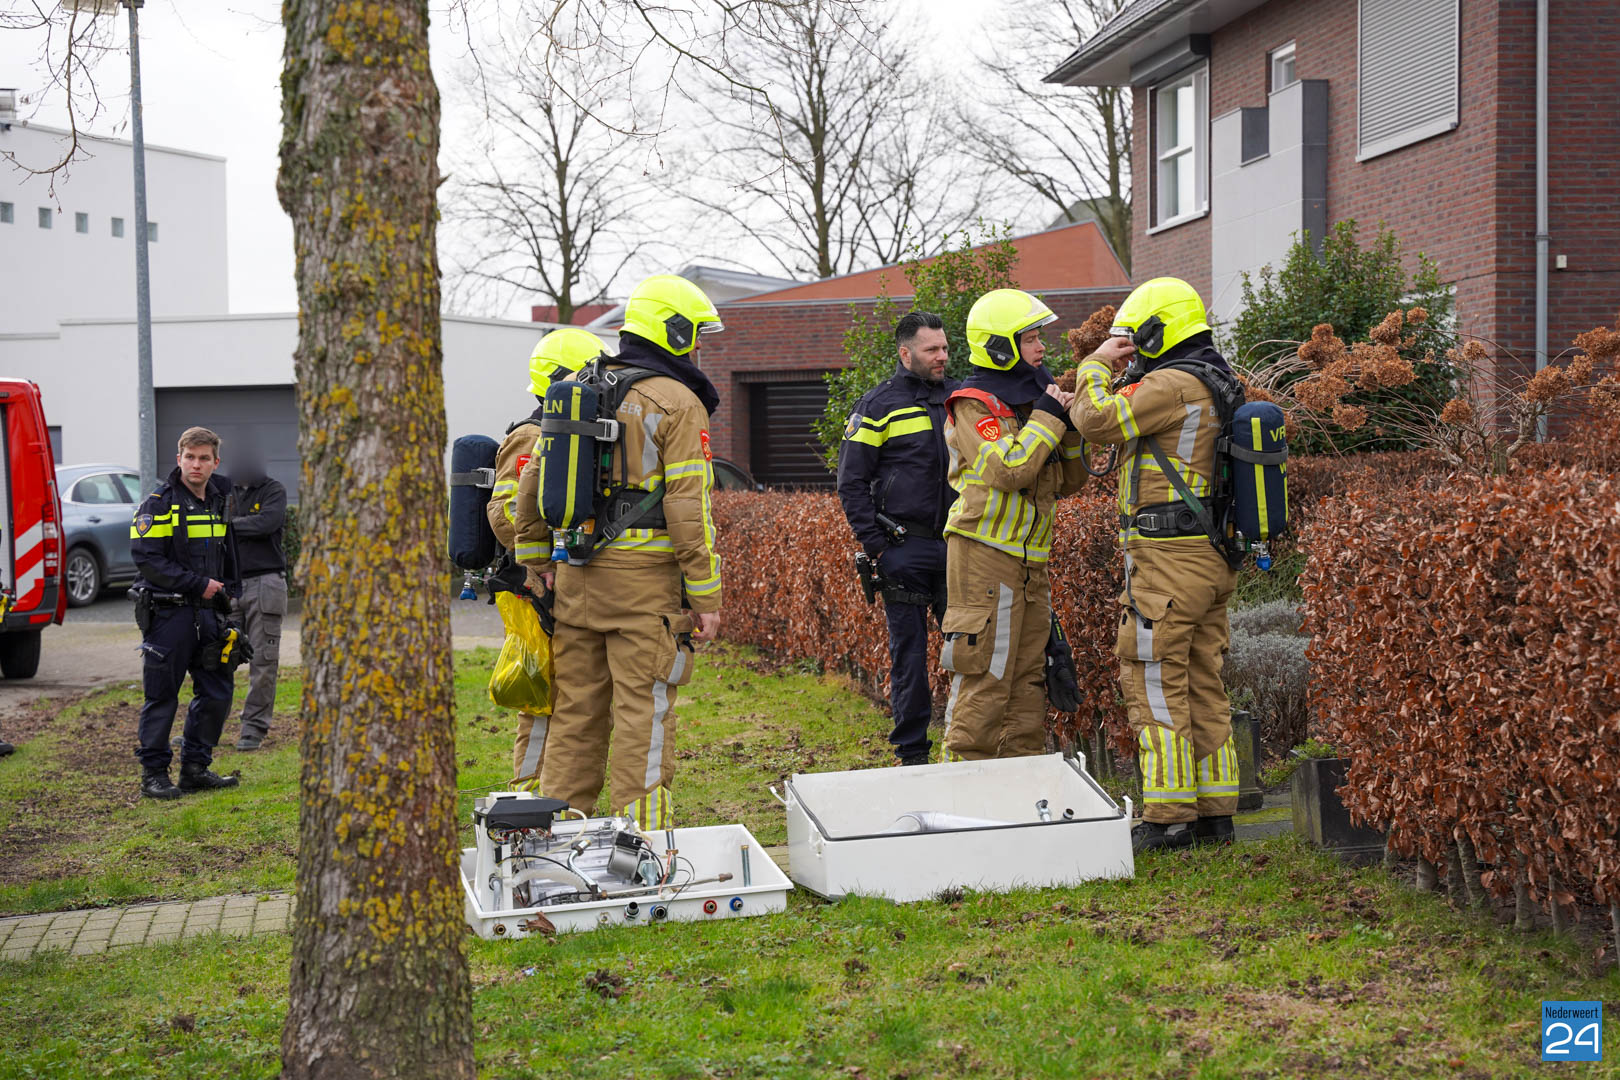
(1062, 680)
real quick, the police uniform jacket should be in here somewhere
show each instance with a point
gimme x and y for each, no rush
(665, 440)
(1173, 406)
(180, 541)
(1010, 466)
(893, 459)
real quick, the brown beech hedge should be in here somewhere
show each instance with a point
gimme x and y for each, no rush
(1464, 656)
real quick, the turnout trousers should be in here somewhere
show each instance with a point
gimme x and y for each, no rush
(918, 566)
(169, 650)
(1171, 645)
(621, 655)
(996, 624)
(263, 603)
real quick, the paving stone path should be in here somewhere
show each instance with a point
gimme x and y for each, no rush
(99, 930)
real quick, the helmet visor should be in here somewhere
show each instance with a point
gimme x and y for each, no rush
(713, 327)
(1044, 321)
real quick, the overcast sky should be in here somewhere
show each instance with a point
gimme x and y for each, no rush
(210, 72)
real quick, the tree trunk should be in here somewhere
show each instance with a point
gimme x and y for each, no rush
(1472, 886)
(1560, 920)
(379, 984)
(1427, 878)
(1455, 890)
(1524, 906)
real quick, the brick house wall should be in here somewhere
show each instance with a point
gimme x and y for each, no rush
(1465, 198)
(801, 340)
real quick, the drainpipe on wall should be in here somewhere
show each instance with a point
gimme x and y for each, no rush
(1543, 240)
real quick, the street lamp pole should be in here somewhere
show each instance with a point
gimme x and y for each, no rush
(146, 400)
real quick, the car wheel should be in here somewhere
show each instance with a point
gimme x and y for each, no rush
(83, 574)
(19, 654)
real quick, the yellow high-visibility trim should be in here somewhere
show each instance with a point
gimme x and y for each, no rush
(530, 552)
(908, 427)
(1260, 485)
(866, 436)
(1095, 375)
(153, 532)
(703, 587)
(505, 487)
(884, 421)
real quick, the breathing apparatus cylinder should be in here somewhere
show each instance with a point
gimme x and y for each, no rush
(1259, 471)
(472, 477)
(569, 459)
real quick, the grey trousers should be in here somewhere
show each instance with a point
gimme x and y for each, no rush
(264, 602)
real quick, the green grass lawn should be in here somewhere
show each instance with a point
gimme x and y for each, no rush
(1260, 960)
(74, 832)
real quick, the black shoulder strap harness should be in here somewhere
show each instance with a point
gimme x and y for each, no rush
(618, 506)
(1228, 394)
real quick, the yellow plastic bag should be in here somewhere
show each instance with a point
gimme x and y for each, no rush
(523, 672)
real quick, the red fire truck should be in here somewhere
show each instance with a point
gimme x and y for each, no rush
(31, 592)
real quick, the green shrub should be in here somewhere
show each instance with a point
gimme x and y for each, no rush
(946, 285)
(1352, 289)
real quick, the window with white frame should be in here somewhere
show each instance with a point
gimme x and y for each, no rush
(46, 218)
(151, 232)
(1281, 67)
(81, 223)
(1181, 148)
(1408, 60)
(117, 226)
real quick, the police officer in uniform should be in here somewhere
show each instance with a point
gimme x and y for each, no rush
(627, 618)
(181, 543)
(1013, 454)
(1173, 628)
(892, 470)
(557, 355)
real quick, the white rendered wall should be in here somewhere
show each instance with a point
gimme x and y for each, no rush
(86, 371)
(48, 275)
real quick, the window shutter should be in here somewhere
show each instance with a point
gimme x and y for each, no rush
(1409, 72)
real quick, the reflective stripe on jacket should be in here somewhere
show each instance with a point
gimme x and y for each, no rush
(665, 438)
(1173, 406)
(1008, 473)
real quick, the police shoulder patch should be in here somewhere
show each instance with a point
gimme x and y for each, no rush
(143, 523)
(853, 426)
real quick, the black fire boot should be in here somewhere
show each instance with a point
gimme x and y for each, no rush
(1213, 830)
(202, 778)
(6, 748)
(1152, 836)
(155, 784)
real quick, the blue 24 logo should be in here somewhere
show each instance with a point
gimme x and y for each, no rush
(1572, 1031)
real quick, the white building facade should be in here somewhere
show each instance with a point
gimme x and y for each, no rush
(67, 316)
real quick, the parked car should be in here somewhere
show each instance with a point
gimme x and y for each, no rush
(30, 536)
(729, 476)
(98, 502)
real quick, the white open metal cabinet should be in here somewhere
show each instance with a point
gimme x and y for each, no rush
(842, 836)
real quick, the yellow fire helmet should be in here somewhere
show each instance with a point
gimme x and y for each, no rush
(563, 351)
(996, 320)
(670, 312)
(1160, 314)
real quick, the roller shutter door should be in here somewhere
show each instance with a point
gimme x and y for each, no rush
(784, 448)
(266, 414)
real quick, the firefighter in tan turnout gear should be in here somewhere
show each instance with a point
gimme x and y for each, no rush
(1172, 629)
(557, 355)
(627, 618)
(1013, 452)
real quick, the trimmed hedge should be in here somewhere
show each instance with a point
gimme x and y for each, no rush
(791, 591)
(1464, 656)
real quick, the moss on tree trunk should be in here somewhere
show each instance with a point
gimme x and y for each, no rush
(379, 983)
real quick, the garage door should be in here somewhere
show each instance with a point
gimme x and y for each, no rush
(267, 415)
(784, 448)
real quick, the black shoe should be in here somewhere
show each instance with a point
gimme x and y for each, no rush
(1213, 830)
(155, 784)
(6, 748)
(1152, 836)
(249, 742)
(918, 758)
(202, 778)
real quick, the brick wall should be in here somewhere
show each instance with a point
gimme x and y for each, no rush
(1466, 198)
(801, 339)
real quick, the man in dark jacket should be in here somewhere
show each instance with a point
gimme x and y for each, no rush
(181, 543)
(260, 517)
(892, 471)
